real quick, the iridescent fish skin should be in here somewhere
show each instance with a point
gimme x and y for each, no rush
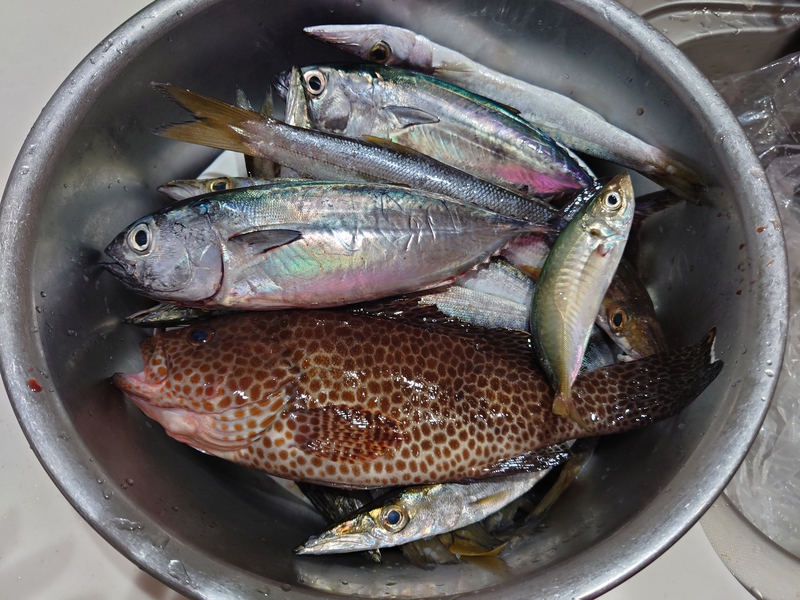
(562, 118)
(448, 123)
(320, 155)
(180, 189)
(420, 512)
(350, 400)
(300, 244)
(574, 280)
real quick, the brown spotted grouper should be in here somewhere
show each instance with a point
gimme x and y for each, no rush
(356, 400)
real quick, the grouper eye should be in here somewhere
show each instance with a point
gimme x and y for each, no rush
(393, 518)
(315, 82)
(380, 52)
(140, 239)
(197, 336)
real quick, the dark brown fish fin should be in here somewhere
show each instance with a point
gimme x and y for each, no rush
(218, 125)
(171, 315)
(544, 458)
(632, 394)
(408, 116)
(263, 240)
(345, 433)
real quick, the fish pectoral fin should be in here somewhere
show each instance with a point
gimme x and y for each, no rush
(345, 433)
(565, 407)
(407, 116)
(472, 540)
(263, 240)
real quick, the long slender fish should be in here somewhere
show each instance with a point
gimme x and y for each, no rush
(441, 120)
(572, 284)
(323, 156)
(300, 244)
(420, 512)
(565, 120)
(352, 400)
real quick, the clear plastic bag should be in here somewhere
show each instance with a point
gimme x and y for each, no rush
(766, 488)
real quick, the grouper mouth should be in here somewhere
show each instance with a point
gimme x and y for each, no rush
(146, 386)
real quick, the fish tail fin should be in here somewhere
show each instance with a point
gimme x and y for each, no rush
(679, 178)
(565, 407)
(218, 124)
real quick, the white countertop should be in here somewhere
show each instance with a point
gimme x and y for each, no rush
(47, 551)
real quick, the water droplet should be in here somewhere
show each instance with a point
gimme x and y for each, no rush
(640, 111)
(126, 524)
(359, 3)
(129, 481)
(108, 494)
(179, 14)
(100, 480)
(177, 571)
(264, 592)
(286, 587)
(161, 541)
(24, 170)
(769, 373)
(72, 333)
(769, 362)
(43, 295)
(107, 45)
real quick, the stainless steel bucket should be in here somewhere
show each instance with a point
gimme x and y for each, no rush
(210, 529)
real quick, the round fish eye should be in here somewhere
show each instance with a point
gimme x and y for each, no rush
(617, 320)
(613, 201)
(219, 185)
(380, 52)
(197, 336)
(393, 518)
(315, 82)
(140, 238)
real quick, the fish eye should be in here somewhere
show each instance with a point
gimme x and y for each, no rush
(393, 518)
(197, 336)
(380, 52)
(140, 239)
(219, 185)
(617, 320)
(613, 201)
(315, 82)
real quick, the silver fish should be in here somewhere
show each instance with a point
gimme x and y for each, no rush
(305, 244)
(324, 156)
(562, 118)
(420, 512)
(448, 123)
(572, 284)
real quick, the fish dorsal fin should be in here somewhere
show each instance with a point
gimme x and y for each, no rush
(408, 116)
(263, 240)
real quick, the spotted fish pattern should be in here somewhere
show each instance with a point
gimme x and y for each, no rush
(370, 400)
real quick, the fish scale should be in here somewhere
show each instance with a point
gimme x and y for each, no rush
(367, 401)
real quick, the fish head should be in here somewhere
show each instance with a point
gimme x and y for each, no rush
(382, 44)
(610, 213)
(181, 189)
(628, 316)
(332, 96)
(194, 386)
(173, 256)
(382, 524)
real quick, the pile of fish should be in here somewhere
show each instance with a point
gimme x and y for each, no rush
(433, 298)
